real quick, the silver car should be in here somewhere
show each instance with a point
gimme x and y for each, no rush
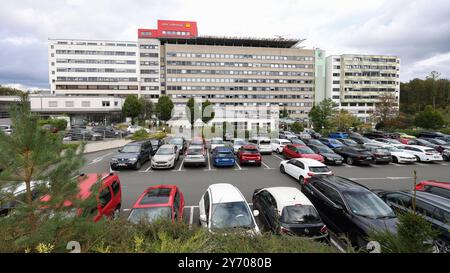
(195, 156)
(165, 157)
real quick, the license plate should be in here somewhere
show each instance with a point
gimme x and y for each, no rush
(369, 158)
(122, 164)
(251, 161)
(338, 161)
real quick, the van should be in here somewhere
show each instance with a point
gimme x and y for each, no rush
(263, 143)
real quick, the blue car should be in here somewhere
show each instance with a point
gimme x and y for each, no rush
(223, 157)
(331, 142)
(338, 135)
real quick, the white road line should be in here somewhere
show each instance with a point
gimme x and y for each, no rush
(98, 159)
(277, 156)
(237, 165)
(348, 166)
(421, 164)
(126, 209)
(267, 167)
(191, 218)
(380, 178)
(209, 162)
(398, 165)
(443, 164)
(333, 242)
(181, 165)
(148, 170)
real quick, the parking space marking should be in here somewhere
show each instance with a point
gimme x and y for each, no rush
(98, 159)
(209, 162)
(148, 170)
(443, 164)
(398, 165)
(181, 166)
(376, 166)
(421, 164)
(266, 166)
(348, 166)
(277, 156)
(191, 218)
(126, 209)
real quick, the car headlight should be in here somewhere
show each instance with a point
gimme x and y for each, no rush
(172, 158)
(114, 159)
(132, 159)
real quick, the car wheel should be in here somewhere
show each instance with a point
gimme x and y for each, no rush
(394, 159)
(417, 158)
(282, 169)
(349, 161)
(301, 180)
(138, 165)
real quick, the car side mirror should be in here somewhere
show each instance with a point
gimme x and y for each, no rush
(203, 218)
(255, 213)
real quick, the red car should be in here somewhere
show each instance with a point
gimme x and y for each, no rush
(109, 197)
(435, 187)
(162, 201)
(301, 151)
(249, 154)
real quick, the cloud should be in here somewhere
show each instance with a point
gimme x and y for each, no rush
(416, 30)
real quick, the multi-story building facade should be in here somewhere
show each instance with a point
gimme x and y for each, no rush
(355, 82)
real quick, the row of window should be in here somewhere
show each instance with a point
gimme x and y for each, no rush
(149, 55)
(97, 52)
(148, 63)
(54, 103)
(370, 74)
(240, 64)
(149, 71)
(90, 61)
(149, 88)
(369, 82)
(238, 88)
(234, 96)
(149, 79)
(240, 72)
(378, 67)
(231, 80)
(182, 33)
(95, 43)
(372, 59)
(96, 70)
(144, 46)
(268, 104)
(96, 87)
(361, 97)
(371, 89)
(95, 79)
(238, 56)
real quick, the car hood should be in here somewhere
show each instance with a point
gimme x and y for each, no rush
(331, 155)
(368, 224)
(163, 157)
(126, 155)
(403, 154)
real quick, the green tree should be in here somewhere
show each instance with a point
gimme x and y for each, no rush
(284, 113)
(429, 119)
(297, 127)
(343, 120)
(30, 154)
(132, 107)
(164, 108)
(385, 108)
(8, 91)
(192, 110)
(321, 114)
(147, 108)
(432, 78)
(207, 111)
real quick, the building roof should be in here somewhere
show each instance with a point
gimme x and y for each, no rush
(234, 41)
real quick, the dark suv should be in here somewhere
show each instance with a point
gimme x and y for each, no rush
(349, 208)
(434, 208)
(132, 155)
(106, 131)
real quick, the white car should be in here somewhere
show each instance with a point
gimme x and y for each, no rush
(134, 128)
(216, 142)
(278, 144)
(165, 157)
(422, 153)
(263, 143)
(237, 144)
(224, 207)
(7, 129)
(294, 213)
(303, 168)
(400, 156)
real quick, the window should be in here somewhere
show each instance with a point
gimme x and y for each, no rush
(69, 103)
(105, 196)
(52, 104)
(115, 187)
(106, 103)
(85, 104)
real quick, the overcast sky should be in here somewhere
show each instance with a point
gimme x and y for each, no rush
(416, 30)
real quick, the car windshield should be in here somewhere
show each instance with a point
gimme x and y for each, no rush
(300, 214)
(131, 149)
(225, 154)
(194, 152)
(216, 141)
(393, 149)
(164, 151)
(150, 214)
(315, 142)
(264, 142)
(350, 141)
(197, 142)
(297, 141)
(231, 215)
(334, 141)
(381, 151)
(429, 150)
(304, 150)
(176, 141)
(320, 169)
(440, 142)
(324, 149)
(239, 142)
(251, 151)
(154, 142)
(367, 204)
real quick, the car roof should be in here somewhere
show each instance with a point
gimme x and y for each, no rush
(155, 196)
(340, 183)
(298, 145)
(435, 200)
(167, 146)
(225, 193)
(288, 196)
(283, 140)
(310, 162)
(223, 149)
(420, 147)
(436, 183)
(249, 146)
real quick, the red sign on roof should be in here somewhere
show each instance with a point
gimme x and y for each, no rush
(169, 28)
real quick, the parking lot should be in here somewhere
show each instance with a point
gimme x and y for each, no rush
(194, 181)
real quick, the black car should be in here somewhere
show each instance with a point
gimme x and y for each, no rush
(285, 210)
(354, 155)
(180, 142)
(441, 144)
(156, 143)
(434, 208)
(348, 142)
(331, 158)
(106, 131)
(132, 155)
(314, 134)
(315, 142)
(360, 140)
(432, 134)
(349, 208)
(381, 155)
(83, 134)
(375, 134)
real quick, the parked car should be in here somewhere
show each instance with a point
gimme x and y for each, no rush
(156, 143)
(286, 210)
(315, 142)
(195, 156)
(278, 144)
(329, 155)
(179, 142)
(301, 151)
(331, 142)
(421, 153)
(223, 157)
(441, 145)
(237, 144)
(375, 134)
(435, 209)
(349, 208)
(361, 140)
(263, 143)
(313, 133)
(382, 155)
(134, 128)
(83, 134)
(7, 129)
(303, 169)
(165, 157)
(387, 140)
(106, 131)
(132, 155)
(440, 188)
(354, 155)
(423, 142)
(223, 207)
(446, 139)
(249, 154)
(400, 156)
(198, 141)
(287, 135)
(338, 135)
(216, 142)
(348, 142)
(431, 134)
(297, 141)
(303, 135)
(158, 202)
(446, 155)
(109, 196)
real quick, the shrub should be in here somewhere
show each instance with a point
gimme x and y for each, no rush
(140, 135)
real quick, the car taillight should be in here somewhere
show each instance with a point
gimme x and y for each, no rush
(284, 230)
(324, 230)
(311, 174)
